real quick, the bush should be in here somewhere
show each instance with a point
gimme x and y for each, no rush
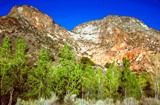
(146, 84)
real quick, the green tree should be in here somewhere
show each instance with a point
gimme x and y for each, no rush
(67, 74)
(89, 82)
(13, 70)
(18, 79)
(129, 81)
(40, 77)
(113, 80)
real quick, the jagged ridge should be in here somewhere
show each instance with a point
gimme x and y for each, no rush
(103, 41)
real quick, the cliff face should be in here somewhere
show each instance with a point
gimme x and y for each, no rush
(115, 37)
(103, 41)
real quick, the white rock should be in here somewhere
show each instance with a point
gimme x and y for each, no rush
(20, 10)
(52, 37)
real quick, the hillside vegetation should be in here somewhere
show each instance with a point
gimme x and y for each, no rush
(20, 80)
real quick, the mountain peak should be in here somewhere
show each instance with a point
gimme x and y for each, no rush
(126, 23)
(32, 15)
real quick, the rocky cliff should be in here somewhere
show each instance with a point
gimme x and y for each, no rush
(38, 30)
(103, 41)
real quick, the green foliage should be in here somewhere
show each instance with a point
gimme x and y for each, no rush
(20, 54)
(98, 84)
(5, 48)
(144, 79)
(113, 78)
(81, 79)
(66, 81)
(86, 61)
(90, 82)
(40, 77)
(17, 76)
(67, 77)
(66, 53)
(5, 65)
(67, 74)
(129, 81)
(11, 64)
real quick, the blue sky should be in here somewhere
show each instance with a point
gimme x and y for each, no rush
(69, 13)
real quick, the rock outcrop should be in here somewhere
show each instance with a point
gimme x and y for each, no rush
(103, 41)
(115, 37)
(37, 28)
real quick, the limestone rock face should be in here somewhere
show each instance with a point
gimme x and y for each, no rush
(115, 37)
(103, 41)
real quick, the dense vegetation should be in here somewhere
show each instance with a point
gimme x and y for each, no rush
(67, 77)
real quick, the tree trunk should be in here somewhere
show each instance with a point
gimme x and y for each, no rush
(5, 99)
(8, 99)
(11, 97)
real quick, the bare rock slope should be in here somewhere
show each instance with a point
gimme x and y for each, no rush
(115, 37)
(103, 41)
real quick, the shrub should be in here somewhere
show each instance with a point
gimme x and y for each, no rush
(146, 83)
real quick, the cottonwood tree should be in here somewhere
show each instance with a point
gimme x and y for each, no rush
(17, 78)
